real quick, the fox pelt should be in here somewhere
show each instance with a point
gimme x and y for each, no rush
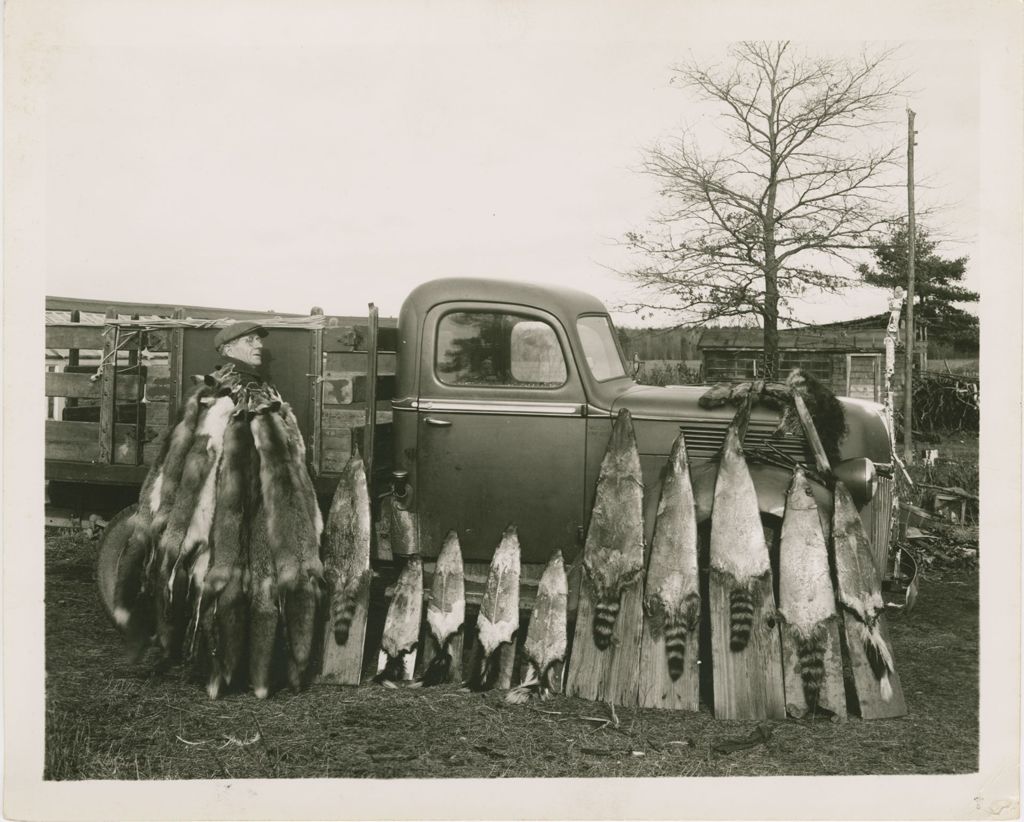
(223, 561)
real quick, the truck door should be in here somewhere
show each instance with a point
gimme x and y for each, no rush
(501, 433)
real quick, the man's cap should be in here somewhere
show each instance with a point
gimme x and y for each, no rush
(241, 329)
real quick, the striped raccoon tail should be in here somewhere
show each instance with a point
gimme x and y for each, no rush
(677, 631)
(879, 656)
(343, 606)
(741, 617)
(811, 655)
(605, 613)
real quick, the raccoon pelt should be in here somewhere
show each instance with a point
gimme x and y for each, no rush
(608, 580)
(741, 616)
(675, 624)
(810, 649)
(744, 599)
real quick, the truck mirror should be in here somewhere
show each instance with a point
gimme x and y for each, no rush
(636, 364)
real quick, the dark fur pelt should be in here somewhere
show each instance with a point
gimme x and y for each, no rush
(225, 546)
(825, 409)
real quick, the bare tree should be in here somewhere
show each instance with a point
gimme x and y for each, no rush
(795, 185)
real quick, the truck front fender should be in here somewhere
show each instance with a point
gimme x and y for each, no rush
(770, 483)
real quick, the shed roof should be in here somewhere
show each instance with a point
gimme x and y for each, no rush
(812, 338)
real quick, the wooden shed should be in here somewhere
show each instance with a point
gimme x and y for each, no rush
(847, 356)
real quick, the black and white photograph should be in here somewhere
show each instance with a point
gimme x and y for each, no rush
(512, 410)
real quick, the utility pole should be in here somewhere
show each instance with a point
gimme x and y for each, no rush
(908, 376)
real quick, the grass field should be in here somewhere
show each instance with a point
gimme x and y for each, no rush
(107, 719)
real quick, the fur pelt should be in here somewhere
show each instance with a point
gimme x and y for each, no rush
(225, 543)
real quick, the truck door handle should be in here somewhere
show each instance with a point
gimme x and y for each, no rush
(438, 423)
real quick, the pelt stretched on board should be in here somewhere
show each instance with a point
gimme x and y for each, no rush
(613, 556)
(672, 596)
(446, 608)
(346, 547)
(547, 636)
(498, 620)
(807, 608)
(860, 593)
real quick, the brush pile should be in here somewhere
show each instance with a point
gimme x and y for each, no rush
(222, 564)
(946, 402)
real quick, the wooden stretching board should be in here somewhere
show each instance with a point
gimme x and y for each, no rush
(343, 664)
(833, 693)
(748, 684)
(869, 696)
(612, 675)
(657, 690)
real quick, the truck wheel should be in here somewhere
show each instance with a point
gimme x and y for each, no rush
(112, 544)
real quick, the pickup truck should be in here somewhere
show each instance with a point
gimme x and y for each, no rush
(491, 402)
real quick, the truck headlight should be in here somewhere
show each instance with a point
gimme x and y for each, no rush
(859, 476)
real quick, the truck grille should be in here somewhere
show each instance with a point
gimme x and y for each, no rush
(704, 438)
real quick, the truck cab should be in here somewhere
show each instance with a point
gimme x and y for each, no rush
(504, 399)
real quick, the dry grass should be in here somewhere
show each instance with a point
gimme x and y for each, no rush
(107, 719)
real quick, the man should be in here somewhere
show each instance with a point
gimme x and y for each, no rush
(241, 346)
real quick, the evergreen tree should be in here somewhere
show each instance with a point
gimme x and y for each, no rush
(936, 284)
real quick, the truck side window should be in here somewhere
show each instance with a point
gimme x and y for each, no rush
(599, 348)
(492, 348)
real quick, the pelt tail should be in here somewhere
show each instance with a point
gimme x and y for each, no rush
(879, 657)
(741, 617)
(437, 670)
(605, 614)
(811, 655)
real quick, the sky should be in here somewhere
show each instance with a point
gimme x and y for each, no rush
(278, 156)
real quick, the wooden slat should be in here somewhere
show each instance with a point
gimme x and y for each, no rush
(370, 395)
(157, 416)
(108, 380)
(175, 349)
(833, 693)
(341, 416)
(61, 384)
(158, 382)
(355, 362)
(611, 675)
(79, 442)
(748, 684)
(316, 398)
(657, 688)
(89, 337)
(869, 696)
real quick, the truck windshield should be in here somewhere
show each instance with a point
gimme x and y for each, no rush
(603, 357)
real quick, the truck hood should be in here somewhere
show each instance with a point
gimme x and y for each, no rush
(659, 412)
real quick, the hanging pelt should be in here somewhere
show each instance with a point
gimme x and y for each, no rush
(294, 540)
(224, 583)
(225, 543)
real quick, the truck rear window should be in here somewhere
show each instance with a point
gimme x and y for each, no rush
(494, 348)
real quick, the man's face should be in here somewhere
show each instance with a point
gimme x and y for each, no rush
(247, 349)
